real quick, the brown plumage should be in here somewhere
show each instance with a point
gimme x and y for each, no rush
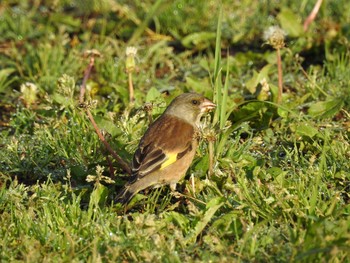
(167, 149)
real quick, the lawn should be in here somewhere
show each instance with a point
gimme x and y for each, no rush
(270, 181)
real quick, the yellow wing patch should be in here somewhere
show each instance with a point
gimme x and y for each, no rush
(172, 157)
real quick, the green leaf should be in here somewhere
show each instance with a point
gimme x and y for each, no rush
(152, 95)
(217, 67)
(250, 111)
(326, 109)
(63, 19)
(304, 129)
(198, 85)
(62, 100)
(179, 219)
(4, 73)
(5, 81)
(282, 112)
(257, 78)
(224, 224)
(203, 164)
(210, 210)
(290, 22)
(274, 171)
(108, 125)
(98, 196)
(197, 39)
(145, 21)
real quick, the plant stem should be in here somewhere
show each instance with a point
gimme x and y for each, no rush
(122, 163)
(131, 88)
(312, 15)
(86, 76)
(87, 72)
(211, 157)
(280, 76)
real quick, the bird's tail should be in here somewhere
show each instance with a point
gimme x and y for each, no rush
(125, 195)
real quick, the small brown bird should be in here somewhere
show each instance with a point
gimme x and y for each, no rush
(167, 149)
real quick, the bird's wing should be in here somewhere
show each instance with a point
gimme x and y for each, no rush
(168, 139)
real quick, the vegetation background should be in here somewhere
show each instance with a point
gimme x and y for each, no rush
(270, 182)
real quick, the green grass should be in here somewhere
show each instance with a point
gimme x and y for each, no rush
(270, 183)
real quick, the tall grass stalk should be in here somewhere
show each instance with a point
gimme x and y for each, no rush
(220, 94)
(280, 76)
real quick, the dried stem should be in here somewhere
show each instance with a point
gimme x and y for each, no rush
(130, 66)
(280, 76)
(87, 72)
(122, 163)
(148, 107)
(111, 168)
(86, 77)
(312, 15)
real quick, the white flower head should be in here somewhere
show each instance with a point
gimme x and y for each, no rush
(28, 86)
(274, 36)
(29, 93)
(131, 51)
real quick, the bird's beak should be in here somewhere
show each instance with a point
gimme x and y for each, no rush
(207, 105)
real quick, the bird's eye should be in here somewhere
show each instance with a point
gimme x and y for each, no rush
(195, 102)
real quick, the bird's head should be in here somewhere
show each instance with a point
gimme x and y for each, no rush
(190, 107)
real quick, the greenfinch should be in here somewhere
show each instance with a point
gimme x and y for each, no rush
(167, 149)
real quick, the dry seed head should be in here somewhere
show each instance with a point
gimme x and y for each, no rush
(265, 90)
(90, 178)
(107, 180)
(66, 86)
(92, 52)
(209, 134)
(274, 36)
(148, 107)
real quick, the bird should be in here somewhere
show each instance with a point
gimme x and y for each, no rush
(166, 150)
